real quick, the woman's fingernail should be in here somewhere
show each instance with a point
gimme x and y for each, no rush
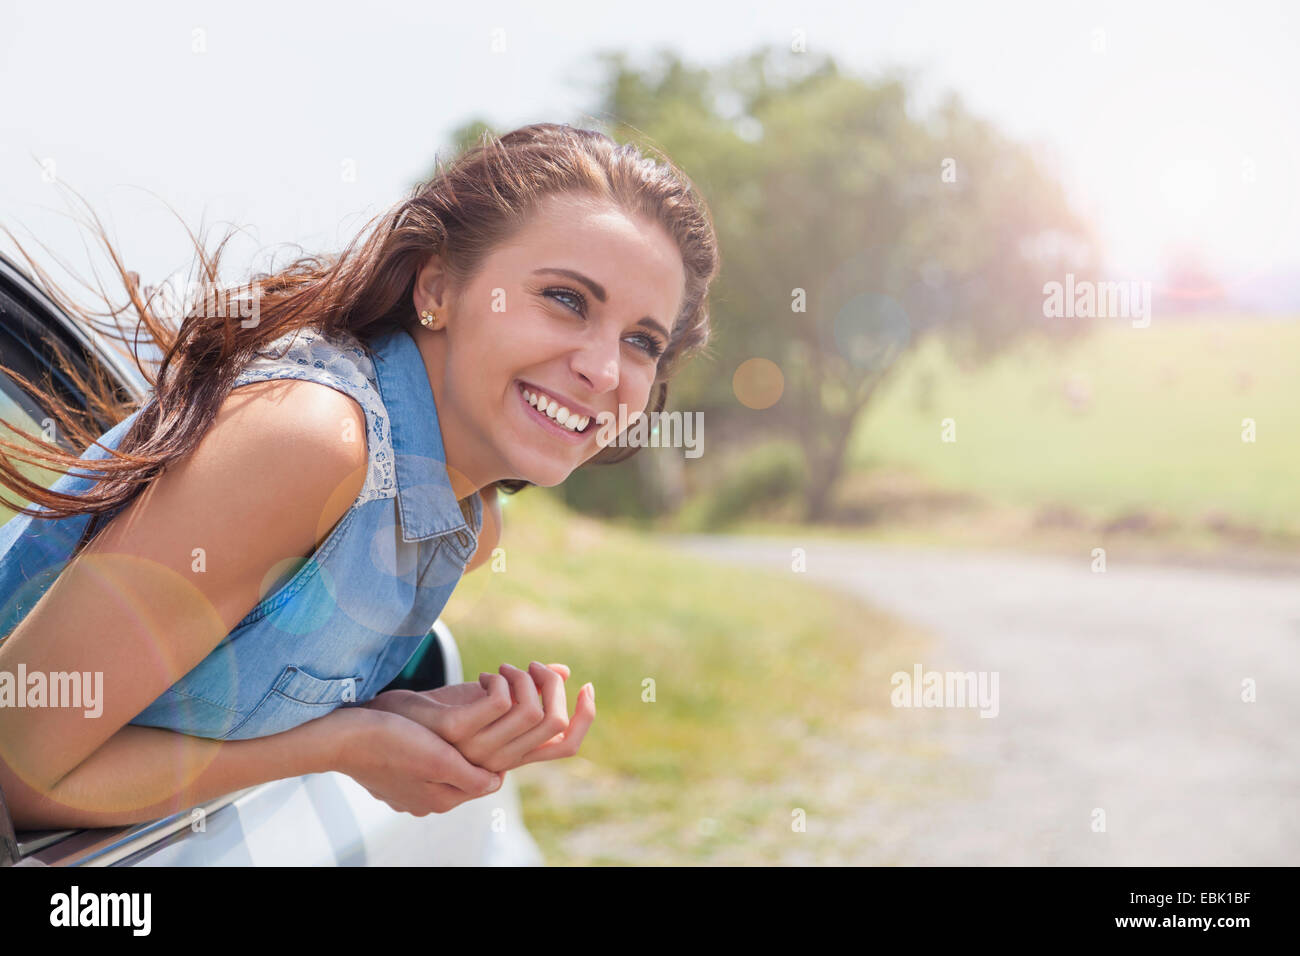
(496, 782)
(591, 691)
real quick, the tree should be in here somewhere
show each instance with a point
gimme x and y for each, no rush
(849, 229)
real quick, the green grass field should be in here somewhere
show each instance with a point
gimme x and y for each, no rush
(1157, 425)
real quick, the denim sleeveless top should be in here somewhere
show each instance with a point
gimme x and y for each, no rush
(348, 619)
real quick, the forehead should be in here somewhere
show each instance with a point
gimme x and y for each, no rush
(634, 258)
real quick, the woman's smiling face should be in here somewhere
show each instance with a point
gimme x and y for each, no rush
(577, 306)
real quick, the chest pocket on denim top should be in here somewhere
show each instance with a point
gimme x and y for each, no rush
(297, 697)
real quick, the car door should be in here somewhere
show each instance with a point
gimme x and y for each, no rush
(316, 820)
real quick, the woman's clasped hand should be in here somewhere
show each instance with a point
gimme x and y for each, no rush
(429, 751)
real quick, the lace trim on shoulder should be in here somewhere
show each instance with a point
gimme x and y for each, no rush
(341, 363)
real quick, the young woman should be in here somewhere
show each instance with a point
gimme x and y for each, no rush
(260, 548)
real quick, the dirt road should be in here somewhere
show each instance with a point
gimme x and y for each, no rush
(1119, 692)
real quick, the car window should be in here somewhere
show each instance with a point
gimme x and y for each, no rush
(19, 410)
(28, 333)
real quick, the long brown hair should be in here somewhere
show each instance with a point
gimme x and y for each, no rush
(470, 206)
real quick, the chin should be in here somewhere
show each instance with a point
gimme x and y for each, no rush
(543, 476)
(548, 482)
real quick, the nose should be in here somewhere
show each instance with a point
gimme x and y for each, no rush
(596, 361)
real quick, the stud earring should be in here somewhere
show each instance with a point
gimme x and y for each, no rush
(429, 320)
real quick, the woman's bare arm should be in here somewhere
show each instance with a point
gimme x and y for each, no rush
(143, 773)
(166, 580)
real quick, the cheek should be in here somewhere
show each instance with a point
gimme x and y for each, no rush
(485, 352)
(515, 340)
(639, 390)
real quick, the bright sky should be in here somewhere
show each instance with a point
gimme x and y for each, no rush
(1171, 122)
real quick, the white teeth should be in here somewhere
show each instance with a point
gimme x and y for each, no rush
(557, 412)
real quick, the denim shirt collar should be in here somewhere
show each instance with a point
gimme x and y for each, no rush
(426, 502)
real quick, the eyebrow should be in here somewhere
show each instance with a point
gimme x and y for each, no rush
(598, 291)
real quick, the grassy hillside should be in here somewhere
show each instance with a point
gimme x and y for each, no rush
(1131, 419)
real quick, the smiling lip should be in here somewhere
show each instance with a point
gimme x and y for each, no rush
(558, 430)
